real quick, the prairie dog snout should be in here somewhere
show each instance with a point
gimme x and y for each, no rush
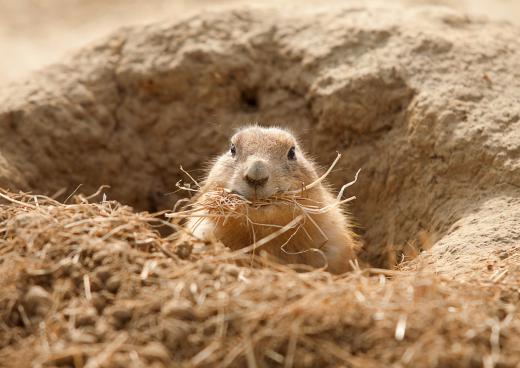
(257, 173)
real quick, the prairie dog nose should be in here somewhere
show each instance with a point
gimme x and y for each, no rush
(257, 174)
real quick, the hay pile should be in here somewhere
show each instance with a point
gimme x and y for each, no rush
(96, 285)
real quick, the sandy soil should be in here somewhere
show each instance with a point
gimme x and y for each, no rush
(34, 33)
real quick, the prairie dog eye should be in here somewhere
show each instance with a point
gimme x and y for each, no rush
(291, 155)
(233, 150)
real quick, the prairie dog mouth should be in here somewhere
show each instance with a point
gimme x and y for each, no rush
(255, 201)
(250, 200)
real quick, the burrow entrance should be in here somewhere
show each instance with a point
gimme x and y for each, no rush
(133, 126)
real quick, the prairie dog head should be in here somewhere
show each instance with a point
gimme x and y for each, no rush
(262, 162)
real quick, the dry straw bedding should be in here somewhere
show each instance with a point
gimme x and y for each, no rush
(96, 285)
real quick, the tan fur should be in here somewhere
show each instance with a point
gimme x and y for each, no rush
(271, 145)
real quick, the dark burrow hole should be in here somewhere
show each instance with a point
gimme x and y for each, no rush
(366, 119)
(249, 99)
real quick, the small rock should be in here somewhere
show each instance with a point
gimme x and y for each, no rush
(95, 284)
(121, 314)
(180, 309)
(503, 255)
(37, 300)
(173, 336)
(208, 268)
(113, 284)
(103, 273)
(81, 337)
(183, 250)
(86, 317)
(99, 302)
(100, 256)
(155, 351)
(102, 328)
(231, 270)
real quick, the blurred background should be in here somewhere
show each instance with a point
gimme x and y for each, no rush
(34, 33)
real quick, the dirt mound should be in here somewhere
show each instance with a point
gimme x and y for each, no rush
(425, 101)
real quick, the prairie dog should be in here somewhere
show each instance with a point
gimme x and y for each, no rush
(265, 162)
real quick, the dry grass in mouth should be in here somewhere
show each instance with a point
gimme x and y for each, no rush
(222, 204)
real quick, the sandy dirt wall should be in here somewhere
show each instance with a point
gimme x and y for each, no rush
(34, 33)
